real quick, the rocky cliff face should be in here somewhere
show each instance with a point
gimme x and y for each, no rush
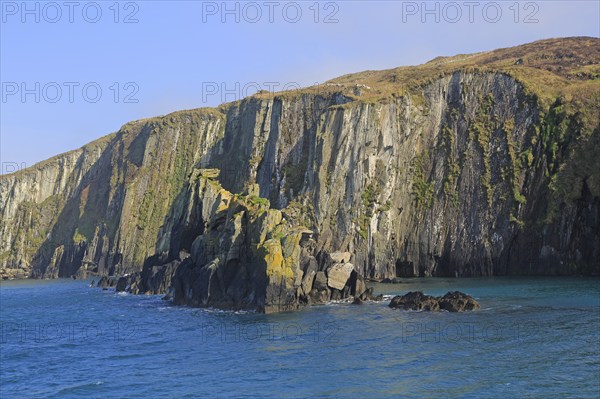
(104, 208)
(455, 168)
(245, 255)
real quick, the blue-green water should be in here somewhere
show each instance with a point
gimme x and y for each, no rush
(533, 338)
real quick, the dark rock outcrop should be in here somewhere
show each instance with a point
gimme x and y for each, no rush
(415, 301)
(121, 284)
(454, 301)
(247, 257)
(153, 279)
(106, 282)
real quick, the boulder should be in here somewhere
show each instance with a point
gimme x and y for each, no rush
(320, 292)
(454, 301)
(169, 295)
(336, 295)
(340, 257)
(158, 278)
(457, 301)
(107, 282)
(359, 286)
(320, 281)
(357, 301)
(367, 295)
(317, 296)
(309, 267)
(338, 275)
(135, 284)
(347, 291)
(102, 282)
(415, 301)
(121, 284)
(307, 281)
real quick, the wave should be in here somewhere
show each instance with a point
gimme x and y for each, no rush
(78, 387)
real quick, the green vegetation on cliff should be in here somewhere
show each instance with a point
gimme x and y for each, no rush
(454, 158)
(422, 188)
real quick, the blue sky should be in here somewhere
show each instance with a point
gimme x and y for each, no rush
(73, 73)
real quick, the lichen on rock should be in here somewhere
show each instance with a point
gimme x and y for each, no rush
(463, 166)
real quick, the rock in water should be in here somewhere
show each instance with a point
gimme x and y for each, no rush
(457, 301)
(415, 301)
(359, 285)
(121, 284)
(107, 282)
(454, 301)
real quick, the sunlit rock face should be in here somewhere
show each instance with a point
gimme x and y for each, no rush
(459, 167)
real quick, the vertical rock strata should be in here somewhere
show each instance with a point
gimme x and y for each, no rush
(276, 201)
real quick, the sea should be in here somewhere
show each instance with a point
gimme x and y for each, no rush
(532, 338)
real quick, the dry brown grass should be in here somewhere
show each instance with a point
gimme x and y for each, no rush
(565, 67)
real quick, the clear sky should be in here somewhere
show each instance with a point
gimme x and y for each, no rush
(74, 71)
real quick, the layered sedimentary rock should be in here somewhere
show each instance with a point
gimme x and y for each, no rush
(465, 166)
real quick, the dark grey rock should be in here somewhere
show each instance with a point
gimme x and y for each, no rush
(415, 301)
(107, 282)
(457, 301)
(454, 301)
(357, 301)
(317, 296)
(320, 282)
(121, 284)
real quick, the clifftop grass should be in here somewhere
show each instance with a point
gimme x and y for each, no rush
(548, 68)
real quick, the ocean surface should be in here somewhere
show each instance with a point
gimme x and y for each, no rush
(533, 338)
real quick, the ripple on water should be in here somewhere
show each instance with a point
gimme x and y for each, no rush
(532, 338)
